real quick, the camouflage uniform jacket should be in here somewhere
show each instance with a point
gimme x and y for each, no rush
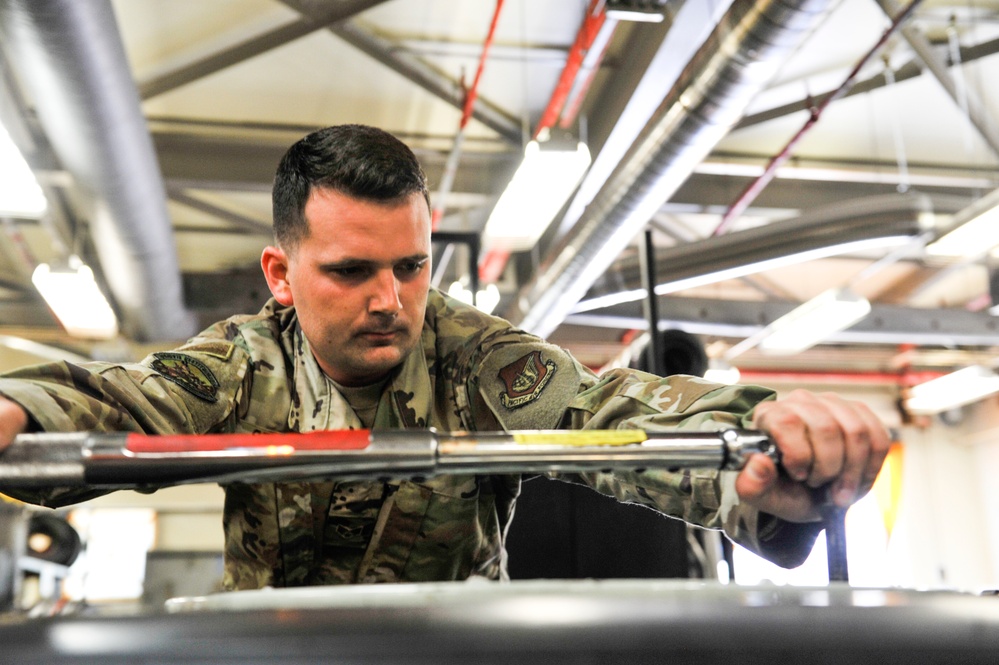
(471, 372)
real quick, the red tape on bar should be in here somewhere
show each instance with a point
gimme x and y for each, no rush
(196, 443)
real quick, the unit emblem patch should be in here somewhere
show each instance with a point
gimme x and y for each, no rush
(525, 378)
(190, 374)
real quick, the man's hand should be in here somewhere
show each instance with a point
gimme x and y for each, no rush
(13, 421)
(825, 442)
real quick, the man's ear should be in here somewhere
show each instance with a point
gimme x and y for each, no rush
(274, 262)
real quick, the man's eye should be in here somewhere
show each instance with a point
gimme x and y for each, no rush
(409, 267)
(349, 272)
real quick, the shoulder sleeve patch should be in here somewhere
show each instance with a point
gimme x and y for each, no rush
(528, 386)
(525, 378)
(217, 348)
(189, 373)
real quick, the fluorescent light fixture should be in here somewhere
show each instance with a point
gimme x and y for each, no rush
(20, 194)
(805, 326)
(952, 390)
(974, 237)
(75, 299)
(540, 187)
(635, 14)
(485, 301)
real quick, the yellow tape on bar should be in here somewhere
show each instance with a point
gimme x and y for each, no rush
(601, 437)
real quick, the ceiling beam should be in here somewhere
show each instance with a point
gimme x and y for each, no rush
(886, 324)
(909, 70)
(317, 20)
(967, 100)
(422, 74)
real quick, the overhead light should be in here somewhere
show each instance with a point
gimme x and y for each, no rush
(486, 299)
(807, 325)
(636, 14)
(75, 299)
(952, 390)
(20, 194)
(540, 187)
(974, 236)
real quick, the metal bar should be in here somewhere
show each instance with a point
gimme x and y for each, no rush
(654, 351)
(938, 66)
(124, 460)
(424, 75)
(242, 223)
(834, 519)
(252, 47)
(909, 70)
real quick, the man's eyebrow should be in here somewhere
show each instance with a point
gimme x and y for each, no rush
(416, 257)
(349, 262)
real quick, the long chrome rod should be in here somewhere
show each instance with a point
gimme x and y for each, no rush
(123, 460)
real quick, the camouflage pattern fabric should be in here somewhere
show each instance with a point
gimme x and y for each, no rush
(471, 372)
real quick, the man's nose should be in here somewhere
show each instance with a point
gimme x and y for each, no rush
(385, 298)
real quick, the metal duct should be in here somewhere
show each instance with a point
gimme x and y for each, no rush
(736, 62)
(71, 58)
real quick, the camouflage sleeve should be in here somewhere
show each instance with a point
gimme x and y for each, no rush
(624, 399)
(192, 389)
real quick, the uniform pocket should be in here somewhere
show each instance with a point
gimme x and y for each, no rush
(432, 531)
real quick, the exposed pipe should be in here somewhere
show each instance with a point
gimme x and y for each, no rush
(71, 57)
(749, 194)
(736, 62)
(451, 166)
(592, 23)
(588, 68)
(495, 259)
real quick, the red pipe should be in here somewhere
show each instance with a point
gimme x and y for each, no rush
(595, 17)
(495, 260)
(451, 167)
(473, 92)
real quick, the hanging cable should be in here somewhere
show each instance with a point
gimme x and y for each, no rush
(960, 84)
(896, 133)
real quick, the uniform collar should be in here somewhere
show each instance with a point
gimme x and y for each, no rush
(318, 405)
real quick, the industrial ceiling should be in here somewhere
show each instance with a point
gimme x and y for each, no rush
(155, 126)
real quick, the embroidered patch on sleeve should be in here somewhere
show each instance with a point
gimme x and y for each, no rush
(190, 374)
(216, 348)
(525, 378)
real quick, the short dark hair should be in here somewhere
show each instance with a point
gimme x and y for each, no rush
(356, 160)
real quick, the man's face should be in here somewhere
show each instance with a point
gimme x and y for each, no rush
(359, 281)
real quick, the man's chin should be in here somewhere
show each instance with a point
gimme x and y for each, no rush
(383, 360)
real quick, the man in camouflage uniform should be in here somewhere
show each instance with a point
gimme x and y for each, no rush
(355, 337)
